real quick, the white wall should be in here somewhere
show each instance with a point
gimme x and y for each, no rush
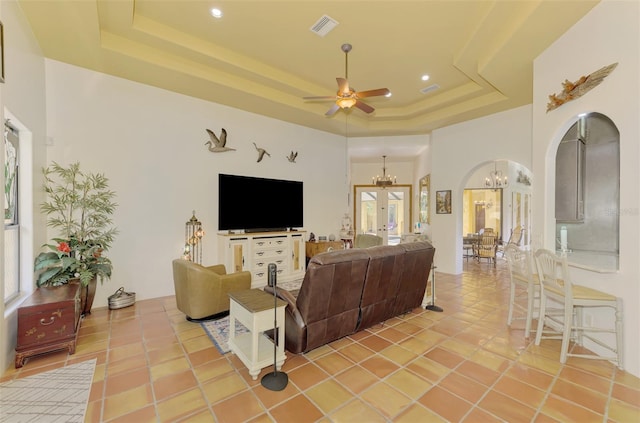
(22, 100)
(150, 144)
(457, 151)
(609, 33)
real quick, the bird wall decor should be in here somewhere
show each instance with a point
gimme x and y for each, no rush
(218, 145)
(292, 156)
(261, 152)
(574, 90)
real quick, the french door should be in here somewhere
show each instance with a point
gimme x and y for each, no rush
(383, 212)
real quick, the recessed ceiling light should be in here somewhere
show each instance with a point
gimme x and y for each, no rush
(425, 77)
(216, 13)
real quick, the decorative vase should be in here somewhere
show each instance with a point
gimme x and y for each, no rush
(87, 295)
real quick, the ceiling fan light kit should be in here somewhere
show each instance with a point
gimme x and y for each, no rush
(347, 97)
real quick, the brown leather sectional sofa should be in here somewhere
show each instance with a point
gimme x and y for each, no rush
(346, 291)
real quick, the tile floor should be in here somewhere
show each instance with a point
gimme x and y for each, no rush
(463, 364)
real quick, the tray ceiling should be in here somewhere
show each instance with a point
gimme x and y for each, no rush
(262, 56)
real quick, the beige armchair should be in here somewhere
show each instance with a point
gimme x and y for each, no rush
(202, 292)
(367, 240)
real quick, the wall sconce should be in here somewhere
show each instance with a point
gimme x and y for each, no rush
(193, 234)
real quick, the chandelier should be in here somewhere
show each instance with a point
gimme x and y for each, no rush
(385, 180)
(495, 179)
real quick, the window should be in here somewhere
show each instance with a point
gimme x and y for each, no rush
(11, 215)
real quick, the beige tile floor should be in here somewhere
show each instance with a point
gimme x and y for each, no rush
(463, 364)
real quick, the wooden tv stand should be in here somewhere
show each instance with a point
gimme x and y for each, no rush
(254, 252)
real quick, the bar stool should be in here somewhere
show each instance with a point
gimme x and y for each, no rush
(555, 284)
(522, 273)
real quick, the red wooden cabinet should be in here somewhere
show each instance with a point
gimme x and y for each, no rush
(48, 321)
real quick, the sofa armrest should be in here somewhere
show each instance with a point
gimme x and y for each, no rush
(285, 295)
(237, 281)
(217, 268)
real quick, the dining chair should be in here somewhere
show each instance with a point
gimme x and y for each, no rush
(468, 243)
(523, 275)
(567, 323)
(515, 238)
(486, 248)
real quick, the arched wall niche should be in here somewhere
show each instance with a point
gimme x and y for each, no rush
(587, 191)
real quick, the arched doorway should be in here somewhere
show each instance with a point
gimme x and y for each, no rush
(502, 206)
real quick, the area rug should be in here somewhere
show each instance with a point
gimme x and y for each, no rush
(218, 330)
(58, 395)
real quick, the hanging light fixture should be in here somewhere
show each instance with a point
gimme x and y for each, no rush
(385, 180)
(495, 179)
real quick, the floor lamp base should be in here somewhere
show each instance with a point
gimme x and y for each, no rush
(433, 307)
(275, 381)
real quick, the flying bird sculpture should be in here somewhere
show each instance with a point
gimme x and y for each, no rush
(261, 152)
(576, 89)
(292, 157)
(218, 145)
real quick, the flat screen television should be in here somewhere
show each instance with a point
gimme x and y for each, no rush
(259, 204)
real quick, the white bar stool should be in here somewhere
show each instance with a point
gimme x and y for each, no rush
(556, 285)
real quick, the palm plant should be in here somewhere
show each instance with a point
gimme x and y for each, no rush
(80, 206)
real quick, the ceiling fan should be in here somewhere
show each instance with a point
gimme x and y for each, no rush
(347, 97)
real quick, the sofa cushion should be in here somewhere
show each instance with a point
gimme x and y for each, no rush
(329, 297)
(418, 259)
(381, 284)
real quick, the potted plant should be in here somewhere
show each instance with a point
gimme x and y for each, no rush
(79, 205)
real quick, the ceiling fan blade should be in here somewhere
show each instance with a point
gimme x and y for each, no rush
(373, 93)
(364, 107)
(332, 110)
(343, 85)
(320, 97)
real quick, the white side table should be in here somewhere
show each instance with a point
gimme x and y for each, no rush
(254, 309)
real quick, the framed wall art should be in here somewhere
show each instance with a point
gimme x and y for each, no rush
(1, 52)
(425, 188)
(443, 202)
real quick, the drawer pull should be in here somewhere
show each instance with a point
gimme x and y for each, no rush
(260, 274)
(260, 253)
(260, 264)
(279, 251)
(45, 323)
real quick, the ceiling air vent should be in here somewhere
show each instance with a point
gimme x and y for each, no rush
(324, 25)
(430, 88)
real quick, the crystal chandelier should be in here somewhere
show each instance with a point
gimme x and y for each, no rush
(495, 179)
(385, 180)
